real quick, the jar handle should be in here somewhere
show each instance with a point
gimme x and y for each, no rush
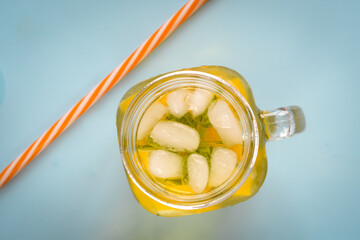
(283, 122)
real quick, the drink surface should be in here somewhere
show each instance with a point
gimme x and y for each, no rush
(196, 142)
(179, 145)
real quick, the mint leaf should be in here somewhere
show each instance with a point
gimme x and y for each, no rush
(203, 119)
(202, 132)
(203, 123)
(205, 150)
(171, 117)
(188, 120)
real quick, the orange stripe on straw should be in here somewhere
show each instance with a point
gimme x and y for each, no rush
(98, 91)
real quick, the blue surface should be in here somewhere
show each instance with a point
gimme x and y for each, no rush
(291, 52)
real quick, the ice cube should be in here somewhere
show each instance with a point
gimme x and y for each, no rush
(176, 101)
(223, 163)
(198, 101)
(165, 164)
(151, 116)
(198, 172)
(225, 123)
(175, 136)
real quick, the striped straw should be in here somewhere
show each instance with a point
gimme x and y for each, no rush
(97, 92)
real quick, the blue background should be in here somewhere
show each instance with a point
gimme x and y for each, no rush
(291, 52)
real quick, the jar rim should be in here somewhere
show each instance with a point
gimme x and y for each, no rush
(128, 137)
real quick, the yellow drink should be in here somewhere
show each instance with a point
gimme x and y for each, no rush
(174, 197)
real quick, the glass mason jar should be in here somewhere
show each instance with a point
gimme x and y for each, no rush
(257, 127)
